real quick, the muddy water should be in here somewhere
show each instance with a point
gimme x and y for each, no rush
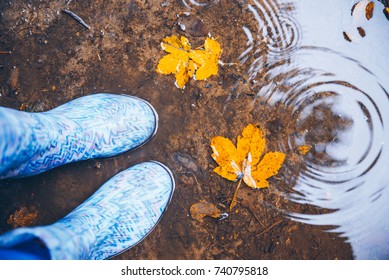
(295, 75)
(336, 93)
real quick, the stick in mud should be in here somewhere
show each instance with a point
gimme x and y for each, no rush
(76, 17)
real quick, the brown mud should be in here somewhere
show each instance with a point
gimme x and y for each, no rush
(54, 59)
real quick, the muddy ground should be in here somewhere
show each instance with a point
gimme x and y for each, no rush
(54, 59)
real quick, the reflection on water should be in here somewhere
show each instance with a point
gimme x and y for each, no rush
(335, 92)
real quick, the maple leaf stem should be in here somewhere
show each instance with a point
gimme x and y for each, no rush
(233, 202)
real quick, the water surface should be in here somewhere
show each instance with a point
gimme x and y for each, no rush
(336, 92)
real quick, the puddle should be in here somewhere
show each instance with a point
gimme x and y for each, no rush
(336, 92)
(295, 73)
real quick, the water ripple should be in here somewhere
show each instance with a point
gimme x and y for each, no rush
(275, 35)
(339, 108)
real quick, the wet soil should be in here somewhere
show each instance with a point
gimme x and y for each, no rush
(54, 59)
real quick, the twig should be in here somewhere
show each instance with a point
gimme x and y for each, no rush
(76, 17)
(22, 29)
(255, 217)
(271, 227)
(233, 202)
(5, 52)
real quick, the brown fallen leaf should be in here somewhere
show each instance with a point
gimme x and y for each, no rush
(202, 209)
(23, 217)
(369, 10)
(361, 31)
(346, 36)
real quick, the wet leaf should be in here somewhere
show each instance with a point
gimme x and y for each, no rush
(246, 161)
(361, 31)
(346, 36)
(185, 63)
(304, 149)
(202, 209)
(23, 217)
(369, 10)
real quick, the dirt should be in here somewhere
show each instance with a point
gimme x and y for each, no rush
(54, 59)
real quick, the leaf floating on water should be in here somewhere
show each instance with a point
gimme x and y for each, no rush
(23, 217)
(361, 31)
(304, 149)
(346, 36)
(246, 161)
(202, 209)
(369, 10)
(185, 63)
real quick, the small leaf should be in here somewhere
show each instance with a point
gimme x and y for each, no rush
(369, 10)
(361, 31)
(23, 217)
(201, 209)
(304, 149)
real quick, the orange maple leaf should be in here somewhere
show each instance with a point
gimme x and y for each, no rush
(245, 161)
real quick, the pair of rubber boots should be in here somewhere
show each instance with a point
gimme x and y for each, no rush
(121, 212)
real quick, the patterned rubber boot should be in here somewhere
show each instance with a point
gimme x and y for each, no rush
(93, 126)
(115, 218)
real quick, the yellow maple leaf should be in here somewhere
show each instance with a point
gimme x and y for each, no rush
(245, 161)
(185, 63)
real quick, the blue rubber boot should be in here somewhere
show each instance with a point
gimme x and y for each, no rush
(115, 218)
(93, 126)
